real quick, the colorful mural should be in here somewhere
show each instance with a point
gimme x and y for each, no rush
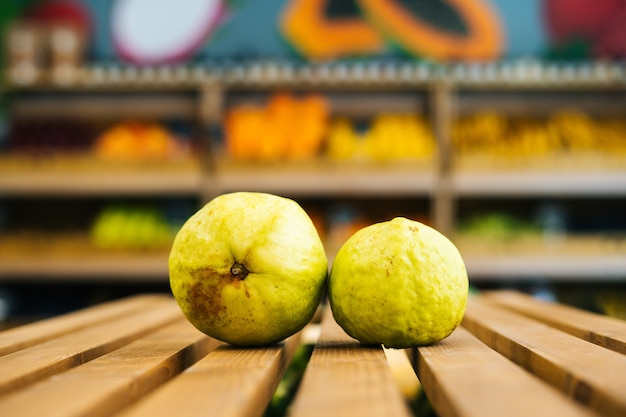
(594, 28)
(437, 29)
(318, 30)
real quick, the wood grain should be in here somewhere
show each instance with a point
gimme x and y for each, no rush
(230, 381)
(464, 377)
(345, 378)
(602, 330)
(31, 334)
(45, 359)
(589, 373)
(109, 383)
(140, 357)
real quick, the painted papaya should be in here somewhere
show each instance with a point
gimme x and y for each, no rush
(328, 29)
(441, 30)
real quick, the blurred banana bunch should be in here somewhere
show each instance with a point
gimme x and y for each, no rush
(389, 137)
(563, 131)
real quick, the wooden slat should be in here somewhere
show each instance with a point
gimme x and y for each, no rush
(602, 330)
(45, 359)
(464, 377)
(229, 381)
(587, 372)
(345, 378)
(28, 335)
(113, 381)
(327, 178)
(104, 107)
(111, 181)
(93, 267)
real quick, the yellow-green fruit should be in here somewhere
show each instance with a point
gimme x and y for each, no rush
(398, 283)
(248, 268)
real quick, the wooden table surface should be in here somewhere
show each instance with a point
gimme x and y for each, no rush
(512, 356)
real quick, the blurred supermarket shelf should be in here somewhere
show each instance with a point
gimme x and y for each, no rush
(304, 178)
(566, 258)
(585, 258)
(201, 94)
(372, 74)
(153, 267)
(76, 256)
(146, 267)
(105, 106)
(319, 178)
(566, 268)
(83, 177)
(572, 174)
(551, 183)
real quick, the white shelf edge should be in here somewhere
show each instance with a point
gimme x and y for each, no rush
(142, 268)
(515, 183)
(566, 268)
(80, 183)
(332, 181)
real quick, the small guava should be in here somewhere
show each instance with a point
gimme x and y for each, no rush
(248, 268)
(398, 283)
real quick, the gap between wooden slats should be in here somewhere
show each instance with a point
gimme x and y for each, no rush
(602, 330)
(229, 381)
(345, 378)
(45, 359)
(27, 335)
(463, 377)
(587, 372)
(109, 383)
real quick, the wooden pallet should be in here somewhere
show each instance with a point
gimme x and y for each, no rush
(513, 355)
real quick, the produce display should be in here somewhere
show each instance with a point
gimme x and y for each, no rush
(131, 227)
(302, 126)
(292, 128)
(497, 225)
(567, 131)
(398, 283)
(120, 142)
(390, 137)
(248, 268)
(286, 127)
(135, 142)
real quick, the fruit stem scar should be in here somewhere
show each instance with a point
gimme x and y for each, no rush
(239, 271)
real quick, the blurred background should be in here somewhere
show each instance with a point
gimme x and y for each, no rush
(501, 123)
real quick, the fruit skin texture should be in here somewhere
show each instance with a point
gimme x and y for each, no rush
(248, 268)
(398, 283)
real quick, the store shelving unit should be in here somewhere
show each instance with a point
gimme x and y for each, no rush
(203, 94)
(538, 91)
(121, 182)
(111, 268)
(563, 267)
(327, 179)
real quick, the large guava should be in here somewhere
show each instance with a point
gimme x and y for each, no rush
(399, 283)
(248, 268)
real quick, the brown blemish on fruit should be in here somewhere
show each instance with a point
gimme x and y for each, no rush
(414, 228)
(204, 294)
